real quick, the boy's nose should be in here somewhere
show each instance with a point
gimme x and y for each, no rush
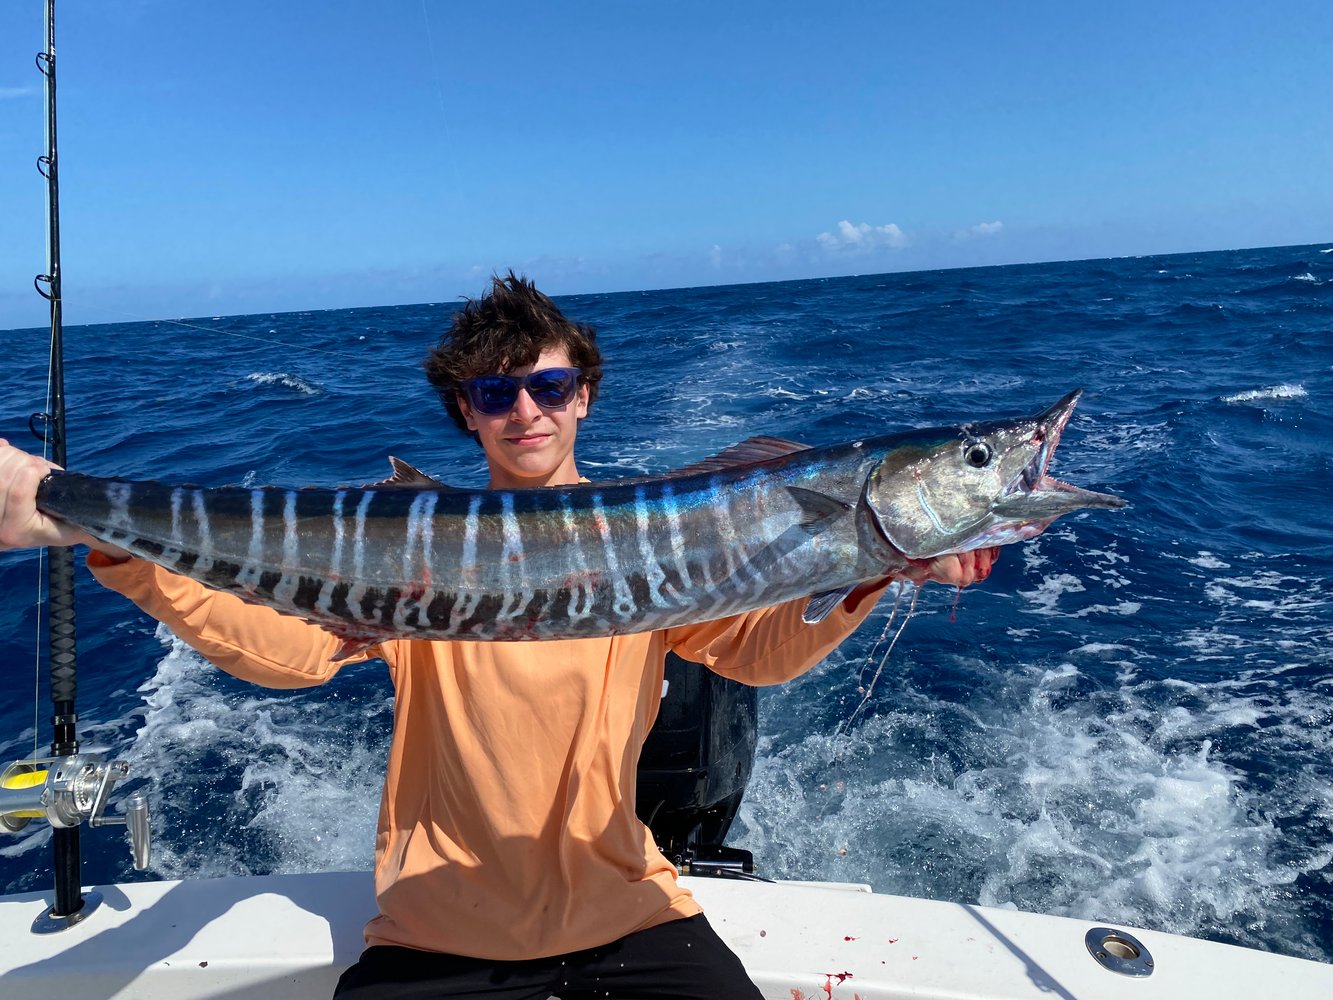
(525, 407)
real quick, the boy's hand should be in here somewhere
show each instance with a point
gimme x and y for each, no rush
(960, 570)
(22, 525)
(957, 570)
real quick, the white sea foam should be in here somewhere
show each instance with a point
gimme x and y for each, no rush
(1112, 804)
(1307, 276)
(1046, 596)
(1206, 560)
(1099, 648)
(1276, 595)
(297, 771)
(1119, 608)
(1285, 391)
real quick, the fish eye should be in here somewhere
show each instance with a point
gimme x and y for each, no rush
(976, 454)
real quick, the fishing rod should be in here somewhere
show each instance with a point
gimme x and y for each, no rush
(68, 788)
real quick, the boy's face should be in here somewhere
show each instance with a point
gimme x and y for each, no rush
(531, 445)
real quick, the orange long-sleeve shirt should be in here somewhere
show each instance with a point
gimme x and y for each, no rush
(507, 827)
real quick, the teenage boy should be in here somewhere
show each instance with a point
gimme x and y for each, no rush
(509, 862)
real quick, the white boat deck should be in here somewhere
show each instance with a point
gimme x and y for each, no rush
(289, 937)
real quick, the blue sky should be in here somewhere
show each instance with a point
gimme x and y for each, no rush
(240, 157)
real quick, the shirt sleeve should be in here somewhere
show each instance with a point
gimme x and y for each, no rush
(770, 645)
(249, 641)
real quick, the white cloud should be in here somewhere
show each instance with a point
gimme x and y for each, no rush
(987, 228)
(715, 257)
(862, 238)
(9, 92)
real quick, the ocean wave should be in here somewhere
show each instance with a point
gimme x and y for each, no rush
(1284, 391)
(285, 380)
(778, 392)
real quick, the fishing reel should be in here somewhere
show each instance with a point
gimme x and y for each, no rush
(67, 791)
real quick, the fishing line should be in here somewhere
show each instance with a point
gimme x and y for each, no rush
(911, 610)
(240, 336)
(836, 786)
(439, 97)
(37, 654)
(41, 565)
(888, 623)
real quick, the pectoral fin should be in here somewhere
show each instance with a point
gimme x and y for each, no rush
(822, 605)
(350, 644)
(818, 510)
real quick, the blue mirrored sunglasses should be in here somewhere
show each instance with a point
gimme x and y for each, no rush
(549, 388)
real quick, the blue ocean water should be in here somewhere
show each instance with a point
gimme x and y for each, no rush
(1130, 721)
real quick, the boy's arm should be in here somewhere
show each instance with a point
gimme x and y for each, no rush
(249, 641)
(774, 644)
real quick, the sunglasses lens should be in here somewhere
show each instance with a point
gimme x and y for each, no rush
(550, 387)
(492, 393)
(553, 386)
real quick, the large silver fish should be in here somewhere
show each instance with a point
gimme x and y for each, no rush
(764, 522)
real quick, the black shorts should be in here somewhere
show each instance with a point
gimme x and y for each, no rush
(678, 960)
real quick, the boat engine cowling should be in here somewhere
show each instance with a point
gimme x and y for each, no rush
(695, 765)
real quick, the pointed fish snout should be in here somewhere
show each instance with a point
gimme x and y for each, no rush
(1056, 496)
(1059, 413)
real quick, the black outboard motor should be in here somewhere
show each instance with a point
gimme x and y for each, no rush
(695, 765)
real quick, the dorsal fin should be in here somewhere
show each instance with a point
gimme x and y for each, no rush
(748, 452)
(408, 476)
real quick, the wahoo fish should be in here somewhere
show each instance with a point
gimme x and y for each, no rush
(764, 522)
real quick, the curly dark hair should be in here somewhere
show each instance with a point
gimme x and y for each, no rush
(507, 328)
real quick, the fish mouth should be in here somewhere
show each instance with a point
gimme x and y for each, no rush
(1033, 494)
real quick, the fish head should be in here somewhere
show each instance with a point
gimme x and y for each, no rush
(976, 486)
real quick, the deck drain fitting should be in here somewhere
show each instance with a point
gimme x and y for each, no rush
(1118, 952)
